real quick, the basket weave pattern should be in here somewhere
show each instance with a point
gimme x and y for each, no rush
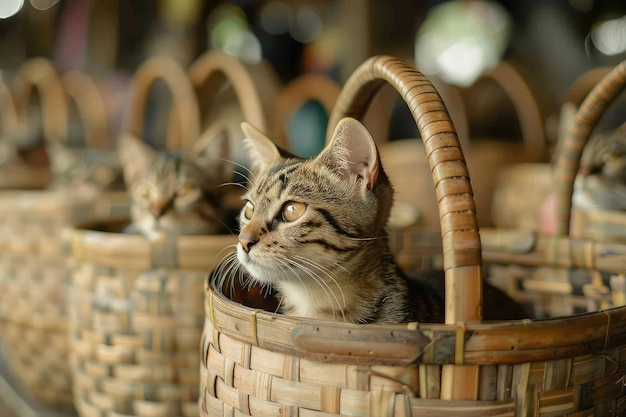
(259, 363)
(34, 282)
(135, 340)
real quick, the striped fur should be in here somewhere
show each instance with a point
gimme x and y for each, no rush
(315, 230)
(174, 193)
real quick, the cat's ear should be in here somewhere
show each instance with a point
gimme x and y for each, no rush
(352, 152)
(211, 152)
(262, 152)
(136, 156)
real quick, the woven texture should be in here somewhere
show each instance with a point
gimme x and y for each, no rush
(260, 363)
(34, 282)
(137, 317)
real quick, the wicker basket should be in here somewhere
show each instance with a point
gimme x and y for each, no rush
(259, 363)
(34, 276)
(597, 224)
(36, 85)
(138, 304)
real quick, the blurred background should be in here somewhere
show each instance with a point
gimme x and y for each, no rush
(552, 42)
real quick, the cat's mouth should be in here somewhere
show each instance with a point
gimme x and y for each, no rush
(254, 268)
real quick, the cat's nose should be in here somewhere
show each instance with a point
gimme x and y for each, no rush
(159, 208)
(247, 242)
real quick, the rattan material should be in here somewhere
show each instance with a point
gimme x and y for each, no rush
(597, 224)
(137, 316)
(254, 85)
(137, 304)
(35, 78)
(34, 281)
(260, 363)
(34, 277)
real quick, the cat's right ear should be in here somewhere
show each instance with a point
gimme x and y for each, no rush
(262, 152)
(136, 156)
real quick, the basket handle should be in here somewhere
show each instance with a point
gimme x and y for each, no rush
(457, 210)
(80, 88)
(38, 74)
(519, 92)
(9, 114)
(255, 85)
(579, 89)
(298, 92)
(184, 121)
(568, 160)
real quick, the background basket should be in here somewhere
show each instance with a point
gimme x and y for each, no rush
(34, 277)
(33, 111)
(598, 224)
(308, 89)
(137, 304)
(260, 363)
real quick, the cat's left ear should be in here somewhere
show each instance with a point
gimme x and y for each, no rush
(211, 152)
(352, 152)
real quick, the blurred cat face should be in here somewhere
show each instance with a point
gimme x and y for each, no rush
(167, 187)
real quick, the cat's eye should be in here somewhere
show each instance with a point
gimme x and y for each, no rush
(293, 210)
(248, 210)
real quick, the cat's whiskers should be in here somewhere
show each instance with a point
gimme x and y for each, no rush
(330, 294)
(245, 168)
(330, 276)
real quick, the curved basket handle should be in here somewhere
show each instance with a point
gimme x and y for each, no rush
(184, 121)
(38, 74)
(305, 88)
(568, 161)
(255, 85)
(457, 210)
(83, 91)
(8, 112)
(525, 104)
(582, 85)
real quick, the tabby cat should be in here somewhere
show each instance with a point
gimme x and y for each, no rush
(315, 231)
(85, 172)
(176, 193)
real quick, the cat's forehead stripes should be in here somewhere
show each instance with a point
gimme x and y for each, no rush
(279, 174)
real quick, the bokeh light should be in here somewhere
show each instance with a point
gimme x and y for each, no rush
(609, 37)
(459, 40)
(10, 7)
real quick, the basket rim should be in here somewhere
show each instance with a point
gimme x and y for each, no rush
(506, 342)
(116, 249)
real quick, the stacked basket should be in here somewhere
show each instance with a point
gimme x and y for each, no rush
(259, 363)
(34, 278)
(137, 303)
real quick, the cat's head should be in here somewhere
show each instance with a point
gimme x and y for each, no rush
(84, 171)
(308, 216)
(176, 192)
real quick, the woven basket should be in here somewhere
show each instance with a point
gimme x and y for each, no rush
(138, 304)
(36, 85)
(597, 224)
(34, 275)
(259, 363)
